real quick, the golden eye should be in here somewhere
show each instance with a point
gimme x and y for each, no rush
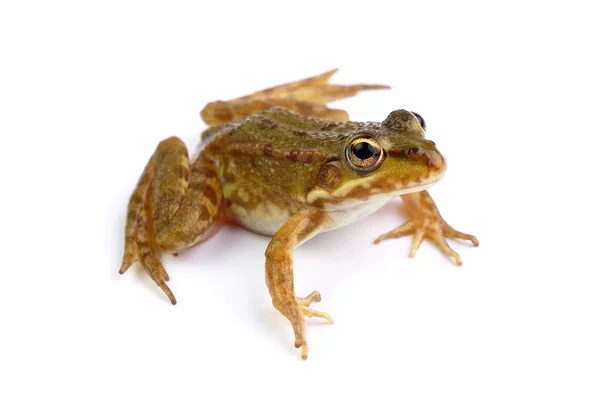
(364, 154)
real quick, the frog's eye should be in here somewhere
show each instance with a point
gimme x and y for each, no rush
(364, 154)
(420, 119)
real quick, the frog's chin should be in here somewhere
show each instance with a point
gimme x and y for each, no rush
(352, 210)
(413, 189)
(377, 198)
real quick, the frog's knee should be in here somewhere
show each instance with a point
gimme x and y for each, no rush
(171, 143)
(168, 240)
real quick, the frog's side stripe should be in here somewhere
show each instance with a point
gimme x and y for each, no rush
(269, 151)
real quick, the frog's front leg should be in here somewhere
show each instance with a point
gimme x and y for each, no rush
(426, 222)
(280, 273)
(172, 208)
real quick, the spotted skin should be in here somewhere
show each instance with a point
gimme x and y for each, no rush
(277, 162)
(170, 210)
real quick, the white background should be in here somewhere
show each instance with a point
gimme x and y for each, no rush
(510, 94)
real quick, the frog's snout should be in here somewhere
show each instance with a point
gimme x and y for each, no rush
(430, 157)
(433, 159)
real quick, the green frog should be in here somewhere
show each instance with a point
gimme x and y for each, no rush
(280, 162)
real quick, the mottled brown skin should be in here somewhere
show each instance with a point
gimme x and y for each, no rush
(283, 173)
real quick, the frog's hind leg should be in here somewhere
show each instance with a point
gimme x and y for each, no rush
(172, 208)
(139, 245)
(308, 97)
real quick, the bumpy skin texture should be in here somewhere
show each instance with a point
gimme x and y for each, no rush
(287, 174)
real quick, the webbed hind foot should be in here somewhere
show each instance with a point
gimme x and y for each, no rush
(307, 97)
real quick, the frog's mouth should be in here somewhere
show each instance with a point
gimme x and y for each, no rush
(412, 189)
(367, 190)
(385, 191)
(350, 209)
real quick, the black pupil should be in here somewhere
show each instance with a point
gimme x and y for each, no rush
(420, 119)
(364, 150)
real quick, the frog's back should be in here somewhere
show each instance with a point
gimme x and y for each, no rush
(280, 150)
(270, 160)
(284, 129)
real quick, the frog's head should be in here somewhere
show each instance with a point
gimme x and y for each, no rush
(381, 161)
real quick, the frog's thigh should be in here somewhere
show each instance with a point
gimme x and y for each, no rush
(170, 209)
(185, 205)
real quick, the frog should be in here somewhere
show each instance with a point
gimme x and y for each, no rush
(281, 162)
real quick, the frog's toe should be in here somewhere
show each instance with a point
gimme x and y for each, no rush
(403, 230)
(302, 343)
(435, 230)
(304, 303)
(313, 297)
(128, 260)
(417, 240)
(158, 274)
(296, 312)
(453, 233)
(440, 241)
(309, 312)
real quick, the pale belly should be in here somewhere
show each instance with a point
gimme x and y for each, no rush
(273, 211)
(358, 211)
(259, 210)
(265, 219)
